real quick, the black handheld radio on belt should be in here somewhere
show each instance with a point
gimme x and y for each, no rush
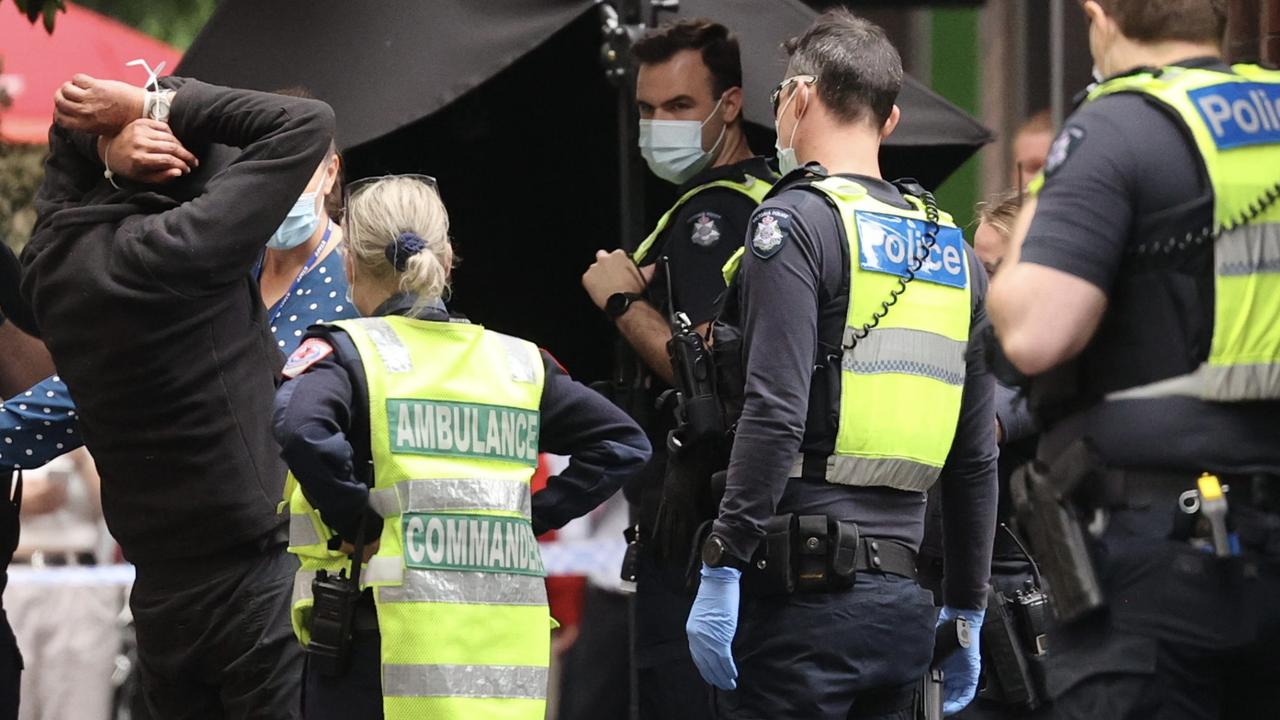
(332, 613)
(698, 413)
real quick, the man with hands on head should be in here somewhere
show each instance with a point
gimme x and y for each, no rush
(143, 295)
(851, 413)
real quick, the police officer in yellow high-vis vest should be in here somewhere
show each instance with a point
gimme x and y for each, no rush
(420, 434)
(690, 100)
(859, 302)
(1143, 300)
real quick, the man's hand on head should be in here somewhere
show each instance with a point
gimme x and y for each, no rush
(612, 272)
(98, 107)
(146, 151)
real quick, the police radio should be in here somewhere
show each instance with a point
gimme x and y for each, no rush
(698, 413)
(332, 613)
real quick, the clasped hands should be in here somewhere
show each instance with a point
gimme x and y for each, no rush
(130, 145)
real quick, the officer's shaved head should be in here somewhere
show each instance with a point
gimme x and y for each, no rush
(1162, 20)
(858, 71)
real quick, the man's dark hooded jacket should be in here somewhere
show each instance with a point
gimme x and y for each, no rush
(144, 298)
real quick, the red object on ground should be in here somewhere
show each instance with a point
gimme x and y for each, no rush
(564, 592)
(33, 63)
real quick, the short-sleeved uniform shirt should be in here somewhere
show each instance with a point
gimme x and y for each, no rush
(1125, 171)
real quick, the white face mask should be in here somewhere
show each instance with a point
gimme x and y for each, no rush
(787, 156)
(673, 148)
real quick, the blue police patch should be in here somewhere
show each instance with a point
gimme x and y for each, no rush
(770, 230)
(888, 243)
(1240, 114)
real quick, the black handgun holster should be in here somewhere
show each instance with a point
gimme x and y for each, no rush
(1042, 497)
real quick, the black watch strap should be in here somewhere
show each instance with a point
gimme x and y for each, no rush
(619, 303)
(716, 554)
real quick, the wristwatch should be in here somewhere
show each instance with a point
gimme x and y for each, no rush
(619, 303)
(715, 554)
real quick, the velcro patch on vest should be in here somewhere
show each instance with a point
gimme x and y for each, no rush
(1240, 114)
(310, 352)
(486, 432)
(484, 543)
(890, 243)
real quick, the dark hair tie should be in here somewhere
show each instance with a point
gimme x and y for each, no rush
(404, 247)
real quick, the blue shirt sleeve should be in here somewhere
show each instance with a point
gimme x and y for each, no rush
(38, 425)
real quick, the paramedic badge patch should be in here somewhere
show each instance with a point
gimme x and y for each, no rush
(706, 230)
(310, 352)
(771, 227)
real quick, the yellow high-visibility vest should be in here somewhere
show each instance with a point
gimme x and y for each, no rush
(458, 578)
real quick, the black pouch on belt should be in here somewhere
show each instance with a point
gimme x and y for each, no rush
(772, 570)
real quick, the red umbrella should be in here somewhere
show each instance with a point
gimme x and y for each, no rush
(36, 63)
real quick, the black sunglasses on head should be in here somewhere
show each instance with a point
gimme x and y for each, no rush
(777, 91)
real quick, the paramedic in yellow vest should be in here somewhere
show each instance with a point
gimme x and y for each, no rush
(690, 102)
(851, 414)
(1145, 273)
(424, 431)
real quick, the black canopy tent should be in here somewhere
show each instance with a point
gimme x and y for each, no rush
(506, 102)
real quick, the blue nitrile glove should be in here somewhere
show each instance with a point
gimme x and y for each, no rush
(960, 671)
(712, 624)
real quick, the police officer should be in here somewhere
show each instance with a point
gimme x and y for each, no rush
(852, 412)
(420, 434)
(689, 95)
(1149, 251)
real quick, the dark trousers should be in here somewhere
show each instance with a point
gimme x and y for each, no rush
(1187, 636)
(357, 693)
(10, 671)
(596, 684)
(669, 684)
(214, 637)
(832, 656)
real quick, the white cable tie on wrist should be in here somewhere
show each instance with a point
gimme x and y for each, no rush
(106, 162)
(151, 86)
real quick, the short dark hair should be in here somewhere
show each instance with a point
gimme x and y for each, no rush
(1160, 20)
(332, 201)
(858, 71)
(718, 47)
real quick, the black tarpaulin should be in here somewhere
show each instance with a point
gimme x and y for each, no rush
(381, 65)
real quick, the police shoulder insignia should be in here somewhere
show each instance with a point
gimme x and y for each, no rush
(310, 352)
(770, 230)
(706, 229)
(1068, 140)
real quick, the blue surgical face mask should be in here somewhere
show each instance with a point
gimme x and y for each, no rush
(787, 156)
(299, 225)
(673, 148)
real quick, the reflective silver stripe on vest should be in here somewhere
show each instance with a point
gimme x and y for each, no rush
(382, 569)
(894, 473)
(1248, 250)
(471, 588)
(449, 494)
(395, 356)
(519, 361)
(302, 586)
(473, 681)
(1217, 383)
(908, 352)
(302, 531)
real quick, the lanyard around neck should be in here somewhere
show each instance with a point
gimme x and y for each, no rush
(306, 268)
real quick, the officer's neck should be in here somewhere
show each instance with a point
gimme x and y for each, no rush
(735, 148)
(1127, 55)
(842, 150)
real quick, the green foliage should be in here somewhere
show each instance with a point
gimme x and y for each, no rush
(34, 9)
(21, 168)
